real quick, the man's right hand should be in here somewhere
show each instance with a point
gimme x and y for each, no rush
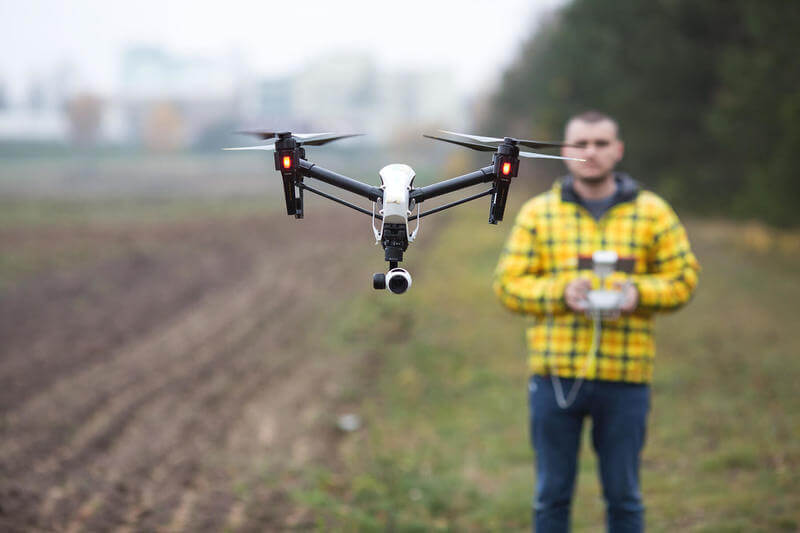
(575, 294)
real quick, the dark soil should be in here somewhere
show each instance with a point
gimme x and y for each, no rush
(174, 385)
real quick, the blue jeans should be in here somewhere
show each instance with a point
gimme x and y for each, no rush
(619, 418)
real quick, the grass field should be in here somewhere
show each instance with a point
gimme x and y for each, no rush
(445, 442)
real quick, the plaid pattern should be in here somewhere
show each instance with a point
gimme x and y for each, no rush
(541, 257)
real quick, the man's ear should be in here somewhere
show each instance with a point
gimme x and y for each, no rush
(620, 150)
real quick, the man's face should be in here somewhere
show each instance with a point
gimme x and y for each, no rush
(598, 144)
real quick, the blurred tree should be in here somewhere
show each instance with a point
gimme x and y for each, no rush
(756, 111)
(163, 129)
(690, 83)
(84, 113)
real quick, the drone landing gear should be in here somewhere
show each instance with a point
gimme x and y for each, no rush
(498, 204)
(298, 203)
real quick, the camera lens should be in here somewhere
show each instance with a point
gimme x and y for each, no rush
(398, 284)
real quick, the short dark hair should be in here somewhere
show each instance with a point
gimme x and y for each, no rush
(593, 116)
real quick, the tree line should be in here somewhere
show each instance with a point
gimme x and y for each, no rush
(707, 95)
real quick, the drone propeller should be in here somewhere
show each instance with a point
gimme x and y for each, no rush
(264, 135)
(532, 155)
(495, 141)
(474, 146)
(269, 147)
(313, 139)
(325, 138)
(488, 148)
(310, 139)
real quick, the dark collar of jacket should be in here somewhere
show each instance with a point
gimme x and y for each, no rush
(627, 189)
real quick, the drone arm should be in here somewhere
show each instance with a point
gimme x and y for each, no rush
(457, 202)
(484, 175)
(337, 180)
(305, 187)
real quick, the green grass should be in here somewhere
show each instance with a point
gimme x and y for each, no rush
(445, 442)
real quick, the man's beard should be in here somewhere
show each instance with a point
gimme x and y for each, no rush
(594, 180)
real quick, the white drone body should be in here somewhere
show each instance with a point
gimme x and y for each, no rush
(396, 206)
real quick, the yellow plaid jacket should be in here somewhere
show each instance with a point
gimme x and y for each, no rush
(541, 257)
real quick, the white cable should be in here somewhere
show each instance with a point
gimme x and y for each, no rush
(576, 387)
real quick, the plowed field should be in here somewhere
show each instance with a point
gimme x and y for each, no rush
(174, 383)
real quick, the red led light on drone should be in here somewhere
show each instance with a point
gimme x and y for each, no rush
(506, 169)
(287, 161)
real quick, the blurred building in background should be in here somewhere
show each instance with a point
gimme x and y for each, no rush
(168, 102)
(350, 92)
(39, 116)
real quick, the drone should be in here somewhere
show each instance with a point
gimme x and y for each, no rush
(394, 202)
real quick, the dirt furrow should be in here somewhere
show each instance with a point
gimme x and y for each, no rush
(189, 419)
(198, 392)
(134, 374)
(104, 306)
(186, 413)
(120, 440)
(293, 371)
(180, 338)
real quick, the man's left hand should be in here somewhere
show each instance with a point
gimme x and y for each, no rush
(630, 296)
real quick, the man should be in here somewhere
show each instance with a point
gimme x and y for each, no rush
(541, 274)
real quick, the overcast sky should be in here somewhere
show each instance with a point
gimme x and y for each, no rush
(473, 38)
